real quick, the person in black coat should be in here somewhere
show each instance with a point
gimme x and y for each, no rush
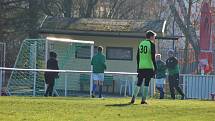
(50, 77)
(173, 75)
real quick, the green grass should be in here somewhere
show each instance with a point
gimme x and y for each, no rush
(109, 109)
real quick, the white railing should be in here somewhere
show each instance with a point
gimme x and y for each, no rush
(194, 86)
(198, 86)
(67, 80)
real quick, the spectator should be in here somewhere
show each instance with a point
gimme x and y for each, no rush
(160, 75)
(50, 77)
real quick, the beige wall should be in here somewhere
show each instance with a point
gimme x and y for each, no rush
(112, 65)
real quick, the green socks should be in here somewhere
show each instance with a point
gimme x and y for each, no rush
(136, 90)
(144, 92)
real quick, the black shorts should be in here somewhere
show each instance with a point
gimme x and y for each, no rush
(146, 73)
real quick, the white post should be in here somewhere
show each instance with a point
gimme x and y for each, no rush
(35, 65)
(46, 59)
(35, 79)
(91, 77)
(152, 87)
(1, 81)
(134, 78)
(126, 84)
(65, 85)
(184, 85)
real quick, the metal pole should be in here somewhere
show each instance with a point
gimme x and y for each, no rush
(173, 31)
(46, 52)
(46, 59)
(184, 85)
(126, 84)
(65, 85)
(35, 73)
(91, 77)
(4, 58)
(35, 78)
(0, 82)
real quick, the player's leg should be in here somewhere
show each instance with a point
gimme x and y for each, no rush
(100, 88)
(172, 86)
(145, 90)
(95, 83)
(176, 78)
(48, 89)
(137, 88)
(162, 88)
(161, 91)
(159, 87)
(51, 87)
(101, 80)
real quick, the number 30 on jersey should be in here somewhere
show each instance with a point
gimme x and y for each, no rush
(143, 49)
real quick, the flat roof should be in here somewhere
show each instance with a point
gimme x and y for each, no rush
(103, 34)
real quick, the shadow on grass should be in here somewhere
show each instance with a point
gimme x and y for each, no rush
(119, 105)
(58, 98)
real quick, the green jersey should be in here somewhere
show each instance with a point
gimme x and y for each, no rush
(146, 53)
(172, 65)
(98, 62)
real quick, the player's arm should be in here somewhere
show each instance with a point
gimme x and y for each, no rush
(92, 61)
(138, 58)
(175, 61)
(164, 65)
(153, 56)
(172, 62)
(104, 62)
(48, 64)
(57, 67)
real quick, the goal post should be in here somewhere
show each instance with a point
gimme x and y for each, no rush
(91, 43)
(33, 54)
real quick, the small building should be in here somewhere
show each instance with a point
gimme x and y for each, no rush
(119, 38)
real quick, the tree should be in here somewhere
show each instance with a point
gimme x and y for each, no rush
(67, 8)
(33, 18)
(53, 7)
(184, 23)
(90, 5)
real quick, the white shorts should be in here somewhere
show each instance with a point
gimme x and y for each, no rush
(160, 81)
(98, 76)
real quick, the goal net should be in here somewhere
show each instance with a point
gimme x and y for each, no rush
(33, 54)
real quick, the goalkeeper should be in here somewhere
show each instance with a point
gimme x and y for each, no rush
(50, 77)
(173, 74)
(146, 65)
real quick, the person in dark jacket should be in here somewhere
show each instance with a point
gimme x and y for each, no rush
(173, 74)
(160, 75)
(50, 77)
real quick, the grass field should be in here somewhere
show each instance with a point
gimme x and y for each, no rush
(109, 109)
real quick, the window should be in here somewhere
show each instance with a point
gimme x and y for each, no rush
(119, 53)
(83, 52)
